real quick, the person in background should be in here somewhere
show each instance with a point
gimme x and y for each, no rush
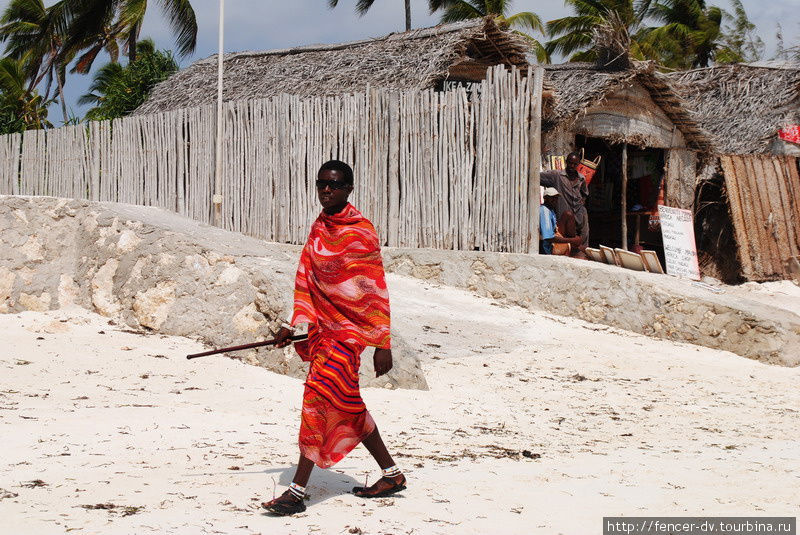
(553, 238)
(572, 194)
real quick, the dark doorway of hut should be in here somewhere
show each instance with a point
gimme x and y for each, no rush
(645, 182)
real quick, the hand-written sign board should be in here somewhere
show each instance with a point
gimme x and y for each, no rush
(680, 249)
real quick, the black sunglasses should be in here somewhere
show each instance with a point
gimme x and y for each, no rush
(333, 184)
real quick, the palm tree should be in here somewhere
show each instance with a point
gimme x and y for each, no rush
(689, 34)
(107, 39)
(118, 90)
(456, 10)
(21, 107)
(104, 21)
(575, 35)
(362, 6)
(37, 33)
(740, 42)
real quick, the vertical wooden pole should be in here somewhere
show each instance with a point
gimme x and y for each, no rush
(535, 160)
(217, 199)
(624, 198)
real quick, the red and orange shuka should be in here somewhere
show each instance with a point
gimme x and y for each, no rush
(340, 291)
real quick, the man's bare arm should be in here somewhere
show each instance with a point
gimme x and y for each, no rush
(382, 361)
(283, 338)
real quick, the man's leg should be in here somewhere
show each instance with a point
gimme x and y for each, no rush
(303, 472)
(566, 224)
(376, 447)
(584, 233)
(393, 479)
(568, 227)
(291, 501)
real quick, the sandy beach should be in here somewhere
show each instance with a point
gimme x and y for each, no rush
(533, 423)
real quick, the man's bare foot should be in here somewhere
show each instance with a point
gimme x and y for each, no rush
(385, 486)
(285, 504)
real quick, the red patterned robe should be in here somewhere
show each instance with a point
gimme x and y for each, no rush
(340, 291)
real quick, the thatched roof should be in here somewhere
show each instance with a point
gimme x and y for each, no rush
(417, 59)
(742, 106)
(577, 87)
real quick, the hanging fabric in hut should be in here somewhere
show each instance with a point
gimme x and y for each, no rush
(790, 133)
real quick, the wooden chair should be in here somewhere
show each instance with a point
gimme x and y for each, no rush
(652, 262)
(608, 254)
(595, 254)
(630, 260)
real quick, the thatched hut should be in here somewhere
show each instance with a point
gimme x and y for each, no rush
(630, 115)
(748, 199)
(418, 59)
(659, 123)
(743, 106)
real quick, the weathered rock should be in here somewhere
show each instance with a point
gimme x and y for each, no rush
(103, 297)
(7, 278)
(161, 271)
(152, 306)
(68, 291)
(156, 270)
(38, 303)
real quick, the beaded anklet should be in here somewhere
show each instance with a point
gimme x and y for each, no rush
(297, 491)
(392, 471)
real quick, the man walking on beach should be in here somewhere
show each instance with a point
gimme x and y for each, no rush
(340, 292)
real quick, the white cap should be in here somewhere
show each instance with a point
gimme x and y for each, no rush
(550, 192)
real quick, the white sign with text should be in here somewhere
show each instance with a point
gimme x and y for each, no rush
(680, 249)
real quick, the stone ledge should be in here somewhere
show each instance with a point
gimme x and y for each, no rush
(160, 272)
(655, 305)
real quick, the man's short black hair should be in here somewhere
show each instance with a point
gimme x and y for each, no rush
(343, 168)
(574, 154)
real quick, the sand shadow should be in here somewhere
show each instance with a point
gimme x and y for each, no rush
(324, 484)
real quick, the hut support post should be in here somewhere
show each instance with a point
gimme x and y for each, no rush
(624, 197)
(393, 220)
(217, 199)
(535, 160)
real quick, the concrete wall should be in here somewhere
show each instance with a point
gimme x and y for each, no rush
(655, 305)
(159, 271)
(154, 270)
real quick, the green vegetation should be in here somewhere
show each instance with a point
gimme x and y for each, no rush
(456, 10)
(21, 107)
(362, 6)
(41, 42)
(574, 36)
(116, 90)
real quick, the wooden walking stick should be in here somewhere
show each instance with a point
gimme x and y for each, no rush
(295, 338)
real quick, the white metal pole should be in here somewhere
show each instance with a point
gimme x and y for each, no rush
(218, 160)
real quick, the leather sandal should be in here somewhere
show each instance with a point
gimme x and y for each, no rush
(385, 486)
(284, 505)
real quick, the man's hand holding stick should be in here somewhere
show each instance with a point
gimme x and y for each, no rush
(282, 339)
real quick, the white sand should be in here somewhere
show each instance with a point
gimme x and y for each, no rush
(624, 425)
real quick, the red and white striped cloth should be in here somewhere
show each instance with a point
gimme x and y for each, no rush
(790, 133)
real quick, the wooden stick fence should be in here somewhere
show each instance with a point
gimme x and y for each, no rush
(444, 170)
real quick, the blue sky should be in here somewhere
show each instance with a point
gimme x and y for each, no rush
(263, 25)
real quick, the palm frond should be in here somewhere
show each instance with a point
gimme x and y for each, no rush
(458, 11)
(362, 6)
(526, 19)
(183, 22)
